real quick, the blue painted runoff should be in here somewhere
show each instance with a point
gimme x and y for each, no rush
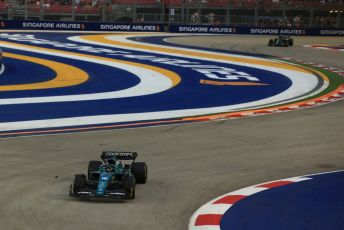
(316, 204)
(189, 94)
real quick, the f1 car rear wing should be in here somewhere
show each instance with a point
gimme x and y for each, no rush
(119, 155)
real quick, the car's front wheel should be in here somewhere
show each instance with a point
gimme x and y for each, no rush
(78, 183)
(129, 186)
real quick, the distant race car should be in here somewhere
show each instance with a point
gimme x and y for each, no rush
(111, 178)
(281, 40)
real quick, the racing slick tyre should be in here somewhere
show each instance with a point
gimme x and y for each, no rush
(270, 43)
(140, 172)
(93, 166)
(78, 183)
(291, 42)
(129, 186)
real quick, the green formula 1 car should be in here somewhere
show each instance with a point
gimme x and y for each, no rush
(110, 179)
(281, 40)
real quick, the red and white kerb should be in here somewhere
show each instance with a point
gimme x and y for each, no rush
(208, 217)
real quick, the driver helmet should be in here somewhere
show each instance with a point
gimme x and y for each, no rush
(110, 161)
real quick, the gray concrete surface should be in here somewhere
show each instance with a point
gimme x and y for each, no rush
(258, 44)
(188, 164)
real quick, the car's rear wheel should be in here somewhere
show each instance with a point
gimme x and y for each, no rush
(93, 166)
(291, 42)
(270, 42)
(140, 172)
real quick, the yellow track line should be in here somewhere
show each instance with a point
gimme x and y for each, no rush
(210, 82)
(66, 75)
(102, 39)
(175, 78)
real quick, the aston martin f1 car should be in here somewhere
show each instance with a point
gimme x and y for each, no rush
(110, 179)
(281, 40)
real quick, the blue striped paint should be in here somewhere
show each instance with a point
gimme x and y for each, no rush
(187, 95)
(315, 204)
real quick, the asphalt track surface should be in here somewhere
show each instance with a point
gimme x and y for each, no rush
(188, 164)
